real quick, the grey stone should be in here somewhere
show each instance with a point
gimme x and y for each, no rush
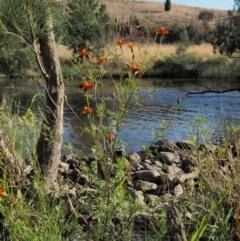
(147, 166)
(173, 169)
(144, 185)
(64, 166)
(178, 190)
(148, 175)
(158, 163)
(169, 157)
(134, 157)
(148, 161)
(138, 195)
(188, 215)
(185, 144)
(164, 145)
(150, 198)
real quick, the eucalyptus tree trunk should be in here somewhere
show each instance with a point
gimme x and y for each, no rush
(50, 141)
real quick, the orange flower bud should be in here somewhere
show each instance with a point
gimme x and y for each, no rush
(131, 46)
(120, 42)
(85, 85)
(101, 59)
(84, 52)
(113, 95)
(110, 137)
(2, 192)
(162, 31)
(87, 110)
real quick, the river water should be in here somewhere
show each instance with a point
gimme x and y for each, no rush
(219, 110)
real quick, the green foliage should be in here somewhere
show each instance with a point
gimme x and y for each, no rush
(167, 5)
(178, 66)
(87, 25)
(184, 42)
(225, 38)
(206, 15)
(18, 34)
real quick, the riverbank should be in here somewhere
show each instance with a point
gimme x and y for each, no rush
(172, 190)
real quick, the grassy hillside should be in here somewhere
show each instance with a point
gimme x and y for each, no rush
(122, 9)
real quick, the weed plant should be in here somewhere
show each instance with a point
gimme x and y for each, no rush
(25, 205)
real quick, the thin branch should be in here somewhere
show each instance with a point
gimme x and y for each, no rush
(213, 91)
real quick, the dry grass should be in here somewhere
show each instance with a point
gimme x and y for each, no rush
(182, 14)
(145, 52)
(64, 52)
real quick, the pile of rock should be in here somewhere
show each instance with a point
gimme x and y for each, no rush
(158, 180)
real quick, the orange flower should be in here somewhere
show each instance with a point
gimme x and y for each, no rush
(120, 42)
(113, 95)
(131, 46)
(2, 192)
(134, 69)
(84, 52)
(110, 137)
(85, 85)
(87, 110)
(101, 59)
(128, 177)
(162, 31)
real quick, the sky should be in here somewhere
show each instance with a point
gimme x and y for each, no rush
(218, 4)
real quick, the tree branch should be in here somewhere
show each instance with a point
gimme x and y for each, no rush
(213, 91)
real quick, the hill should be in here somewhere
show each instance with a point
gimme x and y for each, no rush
(122, 9)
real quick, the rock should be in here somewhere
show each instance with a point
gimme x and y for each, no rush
(71, 159)
(176, 230)
(148, 175)
(138, 195)
(64, 166)
(185, 145)
(147, 166)
(151, 199)
(178, 190)
(70, 191)
(161, 189)
(83, 179)
(164, 145)
(88, 190)
(211, 148)
(169, 157)
(144, 186)
(148, 161)
(174, 170)
(134, 157)
(138, 167)
(158, 163)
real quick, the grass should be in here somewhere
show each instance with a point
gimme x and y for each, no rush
(212, 199)
(155, 11)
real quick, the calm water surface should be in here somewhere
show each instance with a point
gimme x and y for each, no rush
(218, 109)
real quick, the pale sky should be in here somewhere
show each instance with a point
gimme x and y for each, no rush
(218, 4)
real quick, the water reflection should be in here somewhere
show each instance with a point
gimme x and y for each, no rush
(143, 121)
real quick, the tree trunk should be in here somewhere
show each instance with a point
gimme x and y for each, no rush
(50, 141)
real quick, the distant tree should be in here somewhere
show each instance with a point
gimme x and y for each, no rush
(167, 5)
(87, 25)
(237, 3)
(184, 42)
(226, 36)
